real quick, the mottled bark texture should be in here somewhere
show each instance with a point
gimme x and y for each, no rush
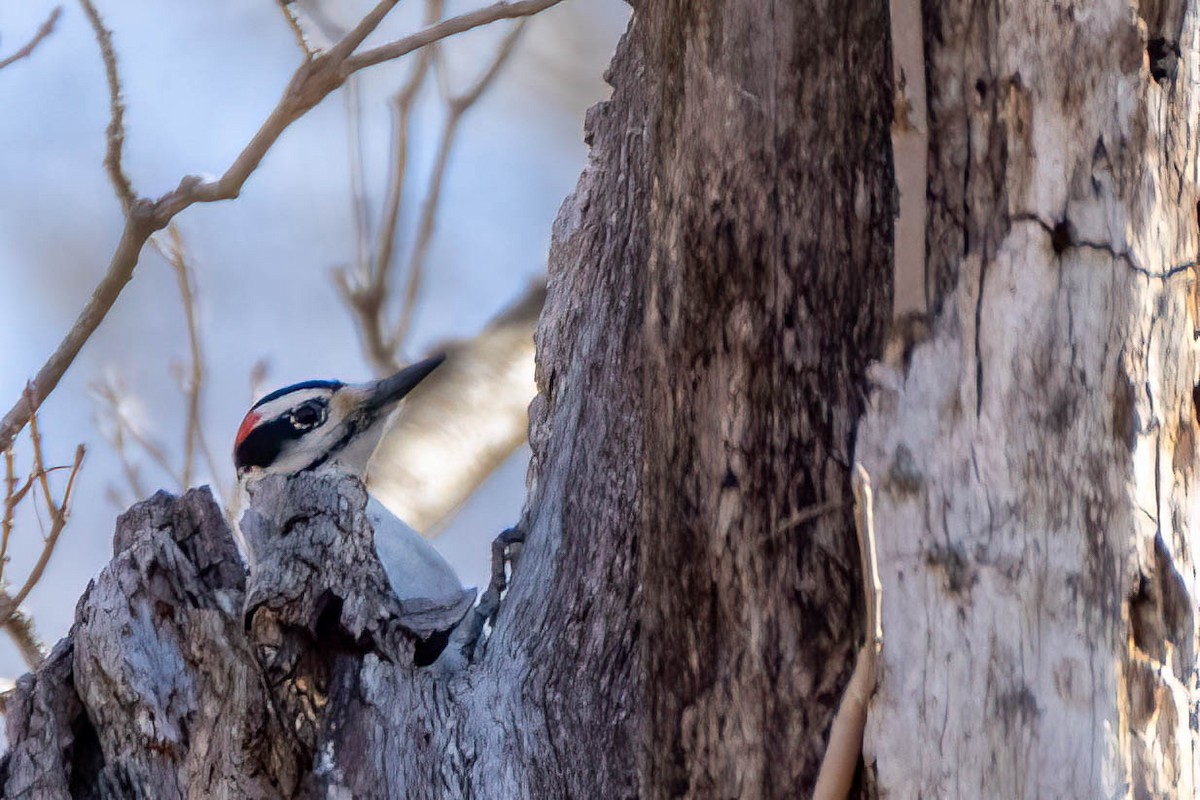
(1034, 458)
(768, 285)
(685, 610)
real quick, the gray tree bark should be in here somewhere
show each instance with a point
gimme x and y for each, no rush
(684, 612)
(1033, 448)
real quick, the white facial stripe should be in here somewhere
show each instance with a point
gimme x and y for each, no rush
(281, 405)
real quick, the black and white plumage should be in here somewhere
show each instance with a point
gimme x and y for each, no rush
(330, 425)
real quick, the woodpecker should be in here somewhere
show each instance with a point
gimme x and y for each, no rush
(330, 425)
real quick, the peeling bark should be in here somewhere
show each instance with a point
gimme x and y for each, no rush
(1034, 456)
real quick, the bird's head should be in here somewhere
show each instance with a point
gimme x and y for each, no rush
(321, 423)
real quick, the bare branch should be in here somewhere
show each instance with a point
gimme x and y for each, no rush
(507, 45)
(366, 291)
(112, 396)
(842, 755)
(451, 27)
(16, 624)
(310, 84)
(42, 32)
(59, 511)
(116, 123)
(11, 499)
(195, 381)
(457, 107)
(368, 24)
(132, 476)
(429, 206)
(174, 252)
(402, 107)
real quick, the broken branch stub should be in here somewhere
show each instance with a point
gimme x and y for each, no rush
(185, 677)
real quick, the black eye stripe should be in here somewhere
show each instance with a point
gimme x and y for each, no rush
(264, 444)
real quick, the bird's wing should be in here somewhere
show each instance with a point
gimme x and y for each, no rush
(414, 568)
(461, 422)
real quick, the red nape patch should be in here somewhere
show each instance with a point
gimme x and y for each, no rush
(247, 425)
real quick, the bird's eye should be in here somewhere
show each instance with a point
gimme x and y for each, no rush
(305, 417)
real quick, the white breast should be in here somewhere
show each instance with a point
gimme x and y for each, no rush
(414, 568)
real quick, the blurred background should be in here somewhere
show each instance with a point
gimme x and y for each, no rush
(199, 78)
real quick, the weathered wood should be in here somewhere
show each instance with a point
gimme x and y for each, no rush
(1034, 458)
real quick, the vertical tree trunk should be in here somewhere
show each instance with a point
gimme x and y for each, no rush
(768, 287)
(1034, 459)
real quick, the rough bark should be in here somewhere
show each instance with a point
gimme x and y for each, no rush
(1034, 458)
(685, 610)
(768, 288)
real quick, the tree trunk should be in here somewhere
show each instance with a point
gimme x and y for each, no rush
(684, 612)
(1033, 459)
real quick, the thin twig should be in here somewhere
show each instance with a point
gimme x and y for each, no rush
(403, 103)
(173, 254)
(471, 96)
(132, 476)
(844, 750)
(428, 217)
(457, 106)
(42, 32)
(195, 441)
(59, 512)
(358, 34)
(293, 22)
(16, 624)
(116, 123)
(111, 394)
(451, 27)
(10, 504)
(195, 382)
(310, 84)
(366, 291)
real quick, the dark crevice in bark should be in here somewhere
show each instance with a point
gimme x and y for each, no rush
(86, 759)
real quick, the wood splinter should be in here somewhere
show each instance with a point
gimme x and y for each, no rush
(846, 734)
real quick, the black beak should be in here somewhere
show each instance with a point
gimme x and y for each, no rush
(389, 391)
